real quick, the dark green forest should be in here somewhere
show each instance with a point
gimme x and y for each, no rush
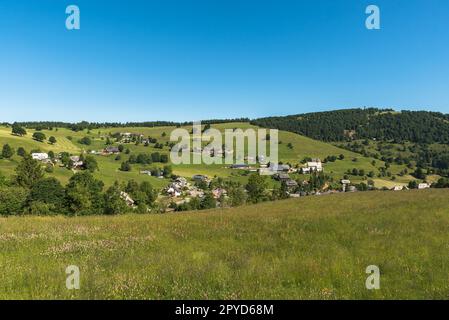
(368, 123)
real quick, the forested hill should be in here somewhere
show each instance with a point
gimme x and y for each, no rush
(382, 124)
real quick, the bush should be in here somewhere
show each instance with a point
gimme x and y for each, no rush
(12, 200)
(21, 152)
(125, 166)
(7, 151)
(49, 191)
(40, 209)
(86, 141)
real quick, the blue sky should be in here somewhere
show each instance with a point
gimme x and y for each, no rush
(202, 59)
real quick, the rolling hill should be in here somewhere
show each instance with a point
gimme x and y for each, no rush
(301, 147)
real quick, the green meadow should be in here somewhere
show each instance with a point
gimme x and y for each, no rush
(308, 248)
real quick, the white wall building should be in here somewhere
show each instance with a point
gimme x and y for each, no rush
(39, 156)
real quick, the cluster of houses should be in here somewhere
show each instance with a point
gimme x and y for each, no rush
(180, 187)
(213, 152)
(421, 186)
(128, 137)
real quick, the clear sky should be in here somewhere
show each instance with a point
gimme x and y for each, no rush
(202, 59)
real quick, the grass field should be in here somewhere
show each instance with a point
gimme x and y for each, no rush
(307, 248)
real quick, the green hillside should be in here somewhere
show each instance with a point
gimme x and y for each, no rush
(308, 248)
(293, 149)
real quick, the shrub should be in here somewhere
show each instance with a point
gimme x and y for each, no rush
(86, 141)
(7, 151)
(12, 200)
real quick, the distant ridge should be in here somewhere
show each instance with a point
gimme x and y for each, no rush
(368, 123)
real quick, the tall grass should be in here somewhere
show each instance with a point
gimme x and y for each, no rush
(308, 248)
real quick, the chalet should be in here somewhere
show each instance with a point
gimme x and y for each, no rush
(111, 150)
(39, 156)
(399, 188)
(423, 186)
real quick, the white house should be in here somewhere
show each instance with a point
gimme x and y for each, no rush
(423, 186)
(39, 156)
(314, 166)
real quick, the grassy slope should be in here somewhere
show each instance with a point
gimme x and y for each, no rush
(302, 147)
(314, 247)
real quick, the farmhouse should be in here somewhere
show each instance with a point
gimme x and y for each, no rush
(174, 191)
(147, 172)
(76, 162)
(39, 156)
(127, 137)
(314, 166)
(111, 150)
(398, 188)
(423, 186)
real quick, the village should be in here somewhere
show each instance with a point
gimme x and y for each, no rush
(181, 190)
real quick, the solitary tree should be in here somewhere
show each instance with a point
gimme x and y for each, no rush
(28, 172)
(90, 163)
(256, 188)
(39, 136)
(7, 151)
(52, 140)
(21, 152)
(125, 166)
(18, 130)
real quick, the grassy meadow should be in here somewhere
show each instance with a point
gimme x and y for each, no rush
(307, 248)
